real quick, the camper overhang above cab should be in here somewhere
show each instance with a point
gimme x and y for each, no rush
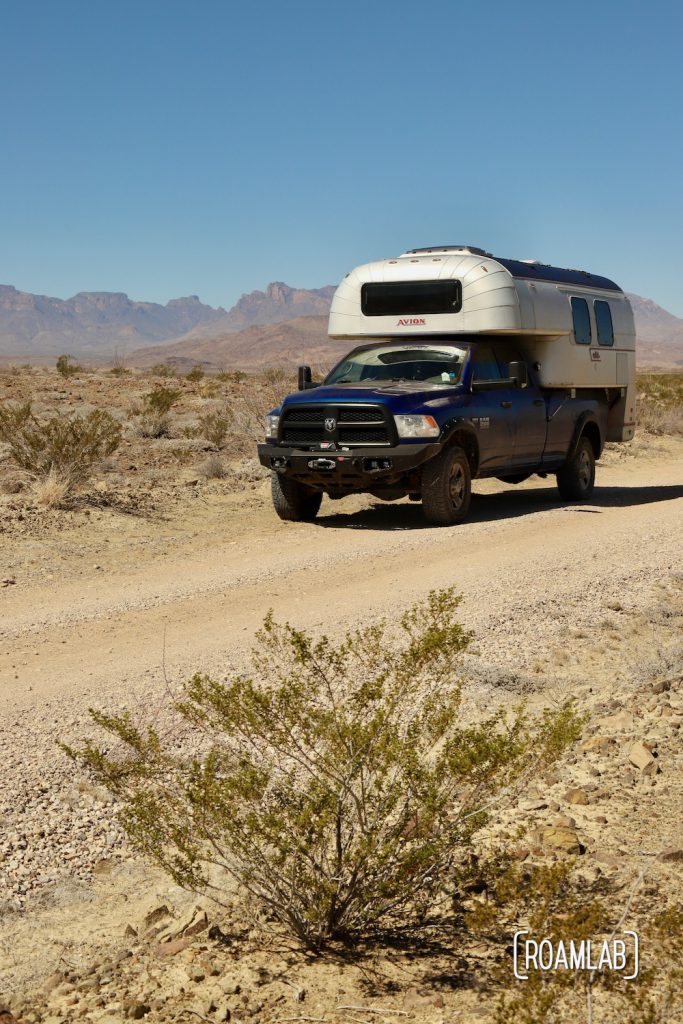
(578, 326)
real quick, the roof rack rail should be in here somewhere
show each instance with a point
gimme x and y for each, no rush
(448, 248)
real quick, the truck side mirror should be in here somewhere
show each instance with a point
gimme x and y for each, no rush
(305, 378)
(519, 375)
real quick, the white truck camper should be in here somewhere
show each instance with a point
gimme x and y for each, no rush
(575, 328)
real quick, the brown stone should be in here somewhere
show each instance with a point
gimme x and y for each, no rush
(603, 857)
(156, 915)
(576, 796)
(641, 757)
(621, 722)
(597, 744)
(561, 839)
(520, 853)
(165, 949)
(674, 855)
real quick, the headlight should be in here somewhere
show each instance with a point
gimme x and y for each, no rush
(417, 426)
(271, 424)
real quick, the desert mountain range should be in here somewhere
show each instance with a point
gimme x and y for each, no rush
(281, 325)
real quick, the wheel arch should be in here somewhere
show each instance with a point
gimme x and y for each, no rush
(587, 426)
(463, 434)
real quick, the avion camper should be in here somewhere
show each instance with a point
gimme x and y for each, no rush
(463, 365)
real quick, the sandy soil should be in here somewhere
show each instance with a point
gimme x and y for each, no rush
(103, 609)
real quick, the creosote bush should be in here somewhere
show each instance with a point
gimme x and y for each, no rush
(61, 448)
(214, 426)
(196, 374)
(160, 400)
(337, 780)
(66, 367)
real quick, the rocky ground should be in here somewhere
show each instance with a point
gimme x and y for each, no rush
(107, 608)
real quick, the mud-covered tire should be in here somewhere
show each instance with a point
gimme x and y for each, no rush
(292, 500)
(576, 478)
(447, 488)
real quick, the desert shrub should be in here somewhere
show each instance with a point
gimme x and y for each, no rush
(196, 374)
(553, 903)
(231, 376)
(213, 468)
(155, 425)
(336, 782)
(214, 426)
(66, 367)
(118, 367)
(280, 376)
(65, 446)
(163, 370)
(660, 403)
(160, 400)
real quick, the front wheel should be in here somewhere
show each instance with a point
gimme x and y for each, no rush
(447, 488)
(576, 478)
(293, 501)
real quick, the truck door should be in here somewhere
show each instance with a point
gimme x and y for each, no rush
(529, 416)
(491, 410)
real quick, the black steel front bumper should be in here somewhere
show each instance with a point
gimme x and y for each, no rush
(355, 469)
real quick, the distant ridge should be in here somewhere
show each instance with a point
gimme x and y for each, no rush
(93, 326)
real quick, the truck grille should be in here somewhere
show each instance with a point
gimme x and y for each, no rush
(304, 426)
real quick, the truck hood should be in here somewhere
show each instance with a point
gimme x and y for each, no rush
(386, 392)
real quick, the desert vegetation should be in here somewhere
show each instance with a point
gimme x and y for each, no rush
(337, 785)
(660, 402)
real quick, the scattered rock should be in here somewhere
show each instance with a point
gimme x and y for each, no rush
(171, 948)
(576, 796)
(674, 855)
(603, 857)
(640, 756)
(597, 744)
(561, 839)
(194, 922)
(661, 686)
(621, 722)
(520, 853)
(136, 1011)
(156, 915)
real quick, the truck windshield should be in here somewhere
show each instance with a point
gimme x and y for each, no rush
(431, 364)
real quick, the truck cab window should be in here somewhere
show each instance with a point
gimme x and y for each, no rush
(582, 321)
(603, 322)
(485, 365)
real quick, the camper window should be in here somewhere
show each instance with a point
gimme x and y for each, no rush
(582, 321)
(603, 322)
(408, 298)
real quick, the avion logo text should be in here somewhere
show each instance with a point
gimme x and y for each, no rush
(411, 321)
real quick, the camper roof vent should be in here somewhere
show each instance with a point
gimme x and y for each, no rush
(432, 249)
(532, 263)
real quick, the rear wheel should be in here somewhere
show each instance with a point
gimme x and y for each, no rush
(576, 478)
(294, 501)
(447, 488)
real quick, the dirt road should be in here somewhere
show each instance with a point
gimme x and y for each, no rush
(95, 610)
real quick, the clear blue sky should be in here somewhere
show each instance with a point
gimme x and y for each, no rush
(196, 146)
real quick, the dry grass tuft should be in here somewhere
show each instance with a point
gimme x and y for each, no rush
(213, 468)
(51, 491)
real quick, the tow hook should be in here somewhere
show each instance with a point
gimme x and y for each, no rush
(376, 465)
(321, 464)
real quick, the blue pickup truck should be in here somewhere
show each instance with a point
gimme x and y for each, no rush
(422, 413)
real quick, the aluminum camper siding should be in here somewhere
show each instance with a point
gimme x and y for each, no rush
(537, 313)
